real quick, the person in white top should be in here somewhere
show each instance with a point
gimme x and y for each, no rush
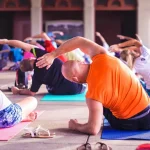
(141, 59)
(11, 114)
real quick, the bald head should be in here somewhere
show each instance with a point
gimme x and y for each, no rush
(75, 71)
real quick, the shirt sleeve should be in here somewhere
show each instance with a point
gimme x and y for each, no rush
(35, 85)
(145, 51)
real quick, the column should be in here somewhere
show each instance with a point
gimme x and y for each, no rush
(89, 19)
(144, 21)
(36, 17)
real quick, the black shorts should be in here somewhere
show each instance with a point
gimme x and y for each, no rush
(141, 121)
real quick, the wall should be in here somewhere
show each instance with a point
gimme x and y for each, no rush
(111, 23)
(21, 25)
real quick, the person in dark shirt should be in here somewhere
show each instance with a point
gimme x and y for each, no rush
(52, 78)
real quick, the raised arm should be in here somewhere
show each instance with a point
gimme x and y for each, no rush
(88, 47)
(17, 43)
(122, 37)
(58, 32)
(131, 42)
(131, 45)
(43, 35)
(101, 37)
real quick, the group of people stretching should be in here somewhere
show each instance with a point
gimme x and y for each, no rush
(114, 88)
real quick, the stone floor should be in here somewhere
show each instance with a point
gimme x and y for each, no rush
(55, 118)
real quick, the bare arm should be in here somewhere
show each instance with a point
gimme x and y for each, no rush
(131, 45)
(94, 121)
(101, 37)
(43, 35)
(15, 90)
(131, 42)
(17, 43)
(138, 38)
(85, 45)
(122, 37)
(58, 32)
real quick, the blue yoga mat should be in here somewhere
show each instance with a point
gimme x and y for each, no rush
(64, 98)
(112, 134)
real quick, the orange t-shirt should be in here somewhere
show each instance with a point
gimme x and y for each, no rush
(114, 85)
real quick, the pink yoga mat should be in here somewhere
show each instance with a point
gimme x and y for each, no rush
(8, 133)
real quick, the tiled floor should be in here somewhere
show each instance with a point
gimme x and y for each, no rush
(55, 118)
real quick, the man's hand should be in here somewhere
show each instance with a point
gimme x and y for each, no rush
(15, 90)
(3, 41)
(45, 61)
(72, 124)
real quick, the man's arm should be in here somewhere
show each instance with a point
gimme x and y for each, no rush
(85, 45)
(94, 121)
(43, 36)
(17, 43)
(16, 91)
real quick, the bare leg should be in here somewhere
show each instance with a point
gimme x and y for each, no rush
(28, 106)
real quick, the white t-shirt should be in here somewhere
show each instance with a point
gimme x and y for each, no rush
(4, 101)
(142, 65)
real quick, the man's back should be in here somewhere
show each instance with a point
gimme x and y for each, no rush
(113, 83)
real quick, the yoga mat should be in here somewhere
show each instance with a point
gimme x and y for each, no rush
(8, 133)
(112, 134)
(64, 98)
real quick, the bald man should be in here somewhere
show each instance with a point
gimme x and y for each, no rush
(113, 89)
(52, 77)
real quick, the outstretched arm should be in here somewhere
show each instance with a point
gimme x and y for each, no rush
(122, 37)
(131, 45)
(131, 42)
(85, 45)
(43, 35)
(101, 37)
(94, 121)
(17, 43)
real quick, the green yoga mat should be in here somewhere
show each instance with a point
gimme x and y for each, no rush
(64, 98)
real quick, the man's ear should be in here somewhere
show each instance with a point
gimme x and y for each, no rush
(75, 79)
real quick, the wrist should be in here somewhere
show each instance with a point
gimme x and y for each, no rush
(5, 41)
(54, 54)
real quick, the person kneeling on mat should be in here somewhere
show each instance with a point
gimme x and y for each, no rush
(12, 114)
(52, 78)
(113, 89)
